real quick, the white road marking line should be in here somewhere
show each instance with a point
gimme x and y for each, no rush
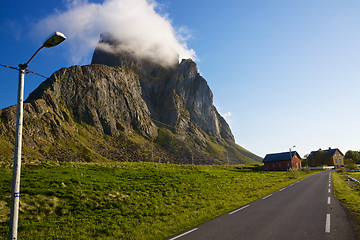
(239, 209)
(192, 230)
(329, 190)
(282, 189)
(267, 196)
(328, 200)
(291, 185)
(327, 225)
(329, 185)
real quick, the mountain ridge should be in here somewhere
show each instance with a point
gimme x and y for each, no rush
(121, 108)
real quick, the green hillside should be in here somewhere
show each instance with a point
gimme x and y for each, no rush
(127, 200)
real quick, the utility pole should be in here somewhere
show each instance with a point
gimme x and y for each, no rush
(15, 201)
(53, 40)
(291, 157)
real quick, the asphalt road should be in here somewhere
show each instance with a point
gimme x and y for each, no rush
(306, 209)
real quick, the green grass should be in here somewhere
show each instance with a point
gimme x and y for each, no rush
(215, 149)
(128, 200)
(347, 194)
(355, 175)
(6, 147)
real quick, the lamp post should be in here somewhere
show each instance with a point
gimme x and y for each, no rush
(291, 156)
(53, 40)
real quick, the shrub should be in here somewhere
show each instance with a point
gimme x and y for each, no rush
(293, 173)
(306, 169)
(350, 164)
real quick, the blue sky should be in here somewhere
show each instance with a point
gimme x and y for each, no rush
(283, 73)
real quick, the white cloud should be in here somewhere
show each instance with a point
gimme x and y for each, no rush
(133, 22)
(227, 115)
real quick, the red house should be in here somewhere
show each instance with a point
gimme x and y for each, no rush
(282, 161)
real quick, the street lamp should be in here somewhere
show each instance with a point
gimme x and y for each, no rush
(291, 156)
(53, 40)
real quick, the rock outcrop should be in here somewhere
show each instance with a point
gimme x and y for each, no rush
(124, 108)
(108, 99)
(175, 94)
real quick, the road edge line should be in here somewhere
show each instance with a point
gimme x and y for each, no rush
(267, 196)
(181, 235)
(239, 209)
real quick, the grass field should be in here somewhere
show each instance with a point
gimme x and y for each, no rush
(349, 194)
(128, 200)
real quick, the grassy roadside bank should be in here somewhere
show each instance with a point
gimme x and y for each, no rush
(347, 194)
(128, 200)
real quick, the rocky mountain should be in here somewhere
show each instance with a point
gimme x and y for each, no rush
(123, 108)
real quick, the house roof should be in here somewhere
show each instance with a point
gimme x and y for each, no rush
(284, 156)
(330, 151)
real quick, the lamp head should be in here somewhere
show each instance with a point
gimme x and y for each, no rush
(54, 39)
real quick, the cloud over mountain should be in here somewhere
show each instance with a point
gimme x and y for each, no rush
(134, 23)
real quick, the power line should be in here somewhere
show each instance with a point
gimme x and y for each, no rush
(9, 67)
(26, 71)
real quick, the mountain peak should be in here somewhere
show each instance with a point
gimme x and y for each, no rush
(113, 52)
(179, 97)
(122, 105)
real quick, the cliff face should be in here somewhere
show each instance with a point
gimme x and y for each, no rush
(175, 94)
(68, 115)
(127, 109)
(108, 99)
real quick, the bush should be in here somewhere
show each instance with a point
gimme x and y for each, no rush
(293, 173)
(350, 164)
(353, 155)
(306, 169)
